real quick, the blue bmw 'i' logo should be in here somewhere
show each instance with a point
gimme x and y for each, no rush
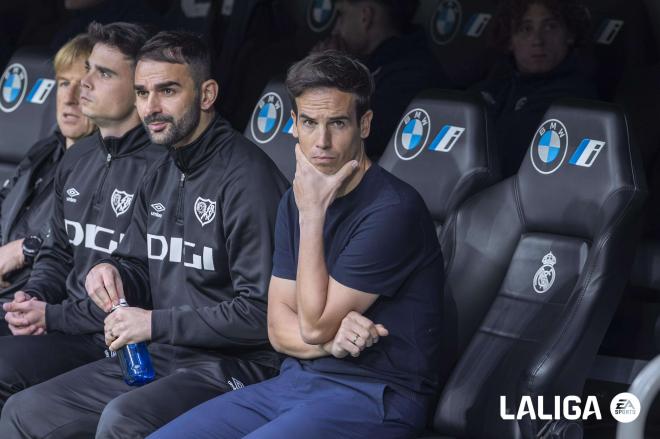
(14, 85)
(549, 146)
(412, 134)
(266, 118)
(320, 14)
(446, 21)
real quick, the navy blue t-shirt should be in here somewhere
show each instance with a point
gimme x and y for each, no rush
(379, 239)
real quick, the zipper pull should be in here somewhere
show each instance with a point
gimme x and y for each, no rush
(183, 178)
(108, 159)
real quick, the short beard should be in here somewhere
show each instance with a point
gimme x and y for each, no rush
(179, 129)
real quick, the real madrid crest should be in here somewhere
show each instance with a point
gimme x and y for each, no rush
(412, 134)
(545, 276)
(266, 118)
(446, 21)
(549, 146)
(14, 85)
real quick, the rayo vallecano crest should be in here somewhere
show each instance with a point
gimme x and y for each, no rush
(204, 210)
(545, 276)
(120, 201)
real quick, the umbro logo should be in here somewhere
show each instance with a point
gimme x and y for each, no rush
(72, 194)
(158, 210)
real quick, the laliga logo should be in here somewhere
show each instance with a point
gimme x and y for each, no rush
(625, 407)
(549, 146)
(320, 15)
(446, 21)
(14, 85)
(266, 118)
(545, 276)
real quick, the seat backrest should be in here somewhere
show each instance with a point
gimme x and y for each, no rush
(27, 105)
(457, 31)
(442, 148)
(270, 127)
(536, 267)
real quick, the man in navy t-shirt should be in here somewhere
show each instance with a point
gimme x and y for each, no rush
(353, 246)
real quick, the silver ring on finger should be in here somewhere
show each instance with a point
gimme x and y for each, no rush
(356, 338)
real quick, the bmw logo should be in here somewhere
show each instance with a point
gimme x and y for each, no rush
(412, 134)
(446, 21)
(14, 85)
(266, 118)
(549, 146)
(320, 14)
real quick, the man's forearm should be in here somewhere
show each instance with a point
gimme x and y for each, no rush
(284, 334)
(312, 283)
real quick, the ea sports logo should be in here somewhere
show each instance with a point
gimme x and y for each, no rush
(446, 21)
(625, 407)
(320, 15)
(549, 146)
(14, 84)
(412, 134)
(266, 118)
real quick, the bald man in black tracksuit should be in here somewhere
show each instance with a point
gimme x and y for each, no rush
(199, 248)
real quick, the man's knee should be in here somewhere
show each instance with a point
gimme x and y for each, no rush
(22, 408)
(123, 414)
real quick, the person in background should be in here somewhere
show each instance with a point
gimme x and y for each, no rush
(539, 38)
(26, 199)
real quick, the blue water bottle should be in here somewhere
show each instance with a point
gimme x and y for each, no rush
(134, 360)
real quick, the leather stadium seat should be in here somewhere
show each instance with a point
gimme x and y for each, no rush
(270, 127)
(442, 148)
(27, 105)
(457, 32)
(536, 265)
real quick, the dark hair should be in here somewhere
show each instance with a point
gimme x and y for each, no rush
(508, 18)
(128, 38)
(180, 47)
(332, 69)
(400, 12)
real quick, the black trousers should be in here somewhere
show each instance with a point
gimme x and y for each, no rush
(94, 400)
(26, 360)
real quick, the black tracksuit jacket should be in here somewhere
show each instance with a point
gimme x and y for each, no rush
(95, 186)
(200, 245)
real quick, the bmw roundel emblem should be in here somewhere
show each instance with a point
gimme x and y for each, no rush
(14, 85)
(549, 146)
(320, 14)
(412, 134)
(446, 21)
(266, 118)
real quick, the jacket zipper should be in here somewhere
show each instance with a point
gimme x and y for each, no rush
(179, 200)
(97, 197)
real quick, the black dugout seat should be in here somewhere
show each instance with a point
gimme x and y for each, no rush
(27, 106)
(442, 148)
(457, 31)
(536, 265)
(270, 127)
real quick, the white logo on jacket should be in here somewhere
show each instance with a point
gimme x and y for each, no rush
(72, 194)
(204, 210)
(121, 201)
(158, 210)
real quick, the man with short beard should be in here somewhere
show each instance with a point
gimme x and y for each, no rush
(199, 247)
(94, 188)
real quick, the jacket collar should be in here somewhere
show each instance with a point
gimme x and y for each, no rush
(195, 155)
(132, 141)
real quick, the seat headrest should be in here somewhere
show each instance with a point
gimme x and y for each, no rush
(458, 37)
(441, 147)
(27, 102)
(579, 157)
(312, 17)
(270, 127)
